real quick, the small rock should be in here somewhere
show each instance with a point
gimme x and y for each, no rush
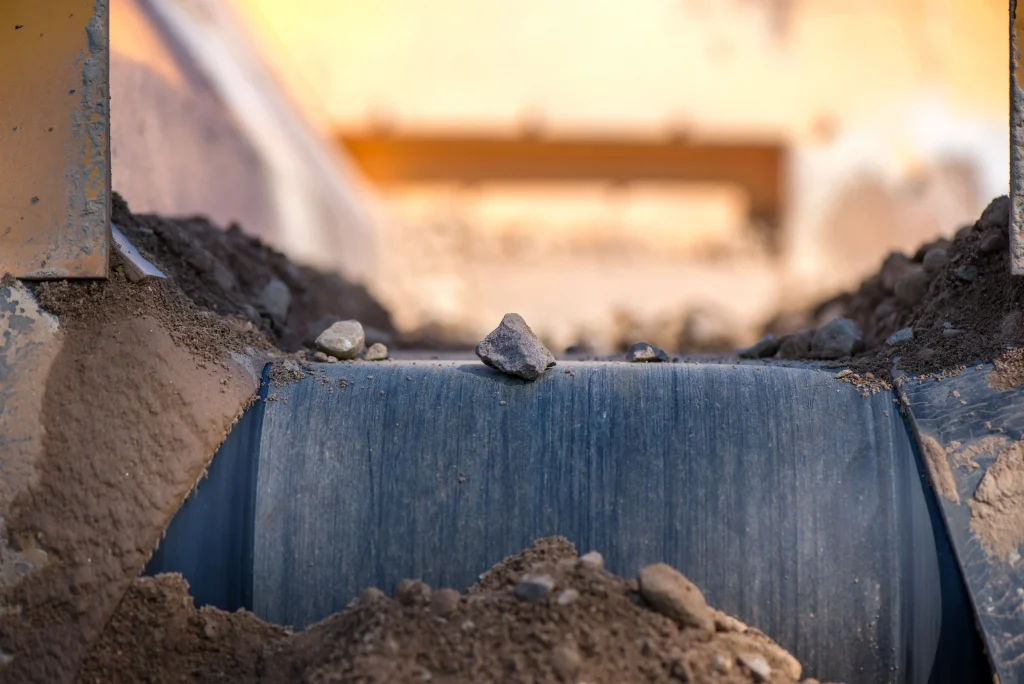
(275, 300)
(845, 373)
(376, 352)
(343, 339)
(837, 339)
(371, 595)
(444, 602)
(893, 268)
(951, 332)
(935, 260)
(411, 592)
(922, 251)
(533, 588)
(199, 259)
(669, 592)
(996, 214)
(514, 349)
(720, 664)
(332, 359)
(994, 240)
(797, 345)
(967, 273)
(592, 561)
(223, 277)
(912, 287)
(900, 336)
(764, 348)
(567, 596)
(641, 352)
(314, 332)
(757, 665)
(566, 662)
(320, 357)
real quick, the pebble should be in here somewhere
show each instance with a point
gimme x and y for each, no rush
(996, 214)
(764, 348)
(641, 352)
(411, 592)
(567, 596)
(912, 287)
(343, 339)
(935, 260)
(893, 268)
(566, 662)
(720, 664)
(512, 348)
(376, 352)
(797, 345)
(838, 338)
(444, 602)
(592, 561)
(900, 336)
(533, 588)
(332, 359)
(320, 357)
(967, 273)
(371, 595)
(275, 300)
(758, 666)
(845, 373)
(670, 593)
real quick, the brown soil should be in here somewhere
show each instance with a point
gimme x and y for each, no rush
(225, 271)
(594, 627)
(142, 391)
(973, 293)
(997, 516)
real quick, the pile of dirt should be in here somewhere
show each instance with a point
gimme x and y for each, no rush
(233, 274)
(584, 625)
(143, 388)
(957, 297)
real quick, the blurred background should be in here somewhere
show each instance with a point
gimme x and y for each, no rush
(678, 171)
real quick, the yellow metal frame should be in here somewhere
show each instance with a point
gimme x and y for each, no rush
(55, 138)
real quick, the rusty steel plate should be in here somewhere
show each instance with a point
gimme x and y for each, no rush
(54, 138)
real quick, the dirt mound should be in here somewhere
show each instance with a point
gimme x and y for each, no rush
(957, 297)
(591, 626)
(231, 273)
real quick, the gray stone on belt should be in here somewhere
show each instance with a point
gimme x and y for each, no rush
(837, 339)
(668, 591)
(343, 339)
(533, 588)
(797, 345)
(912, 287)
(967, 273)
(320, 357)
(514, 349)
(764, 348)
(641, 352)
(900, 336)
(275, 300)
(376, 352)
(935, 260)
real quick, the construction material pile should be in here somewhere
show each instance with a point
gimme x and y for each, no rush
(952, 303)
(544, 615)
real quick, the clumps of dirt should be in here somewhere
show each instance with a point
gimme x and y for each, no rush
(233, 274)
(997, 516)
(951, 303)
(578, 623)
(157, 635)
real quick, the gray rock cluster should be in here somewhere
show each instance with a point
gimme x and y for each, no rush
(513, 348)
